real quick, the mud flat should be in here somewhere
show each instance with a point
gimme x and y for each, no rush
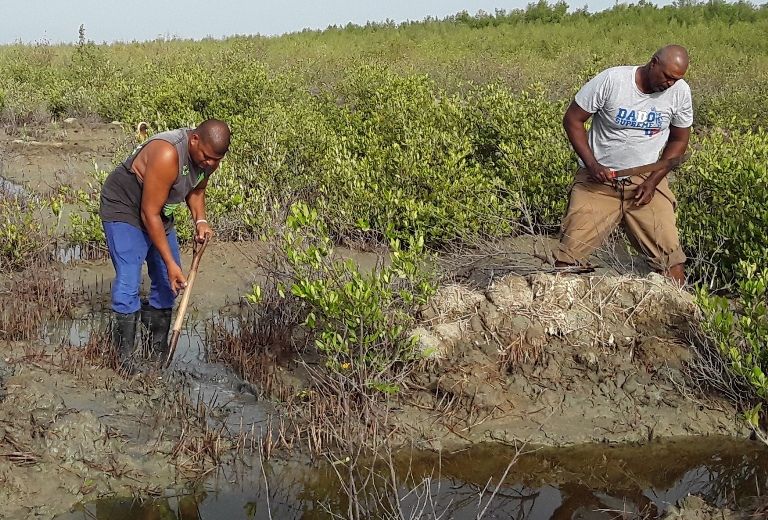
(539, 360)
(68, 432)
(515, 358)
(44, 157)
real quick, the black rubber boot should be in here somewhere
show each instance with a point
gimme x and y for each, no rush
(157, 323)
(123, 340)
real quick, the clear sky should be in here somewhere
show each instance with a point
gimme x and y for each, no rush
(57, 21)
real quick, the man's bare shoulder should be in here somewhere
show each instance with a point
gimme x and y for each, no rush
(157, 161)
(159, 153)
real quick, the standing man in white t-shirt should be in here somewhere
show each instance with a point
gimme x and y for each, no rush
(640, 114)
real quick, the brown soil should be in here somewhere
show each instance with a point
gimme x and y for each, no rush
(559, 360)
(552, 360)
(43, 158)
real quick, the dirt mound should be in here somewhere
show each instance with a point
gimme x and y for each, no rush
(590, 311)
(560, 359)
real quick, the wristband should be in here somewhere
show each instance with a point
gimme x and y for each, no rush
(200, 221)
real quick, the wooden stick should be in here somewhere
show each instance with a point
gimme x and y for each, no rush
(672, 163)
(182, 310)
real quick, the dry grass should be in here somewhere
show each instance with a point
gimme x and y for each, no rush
(513, 354)
(259, 343)
(30, 299)
(201, 441)
(761, 508)
(13, 451)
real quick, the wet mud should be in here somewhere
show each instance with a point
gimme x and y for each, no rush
(518, 357)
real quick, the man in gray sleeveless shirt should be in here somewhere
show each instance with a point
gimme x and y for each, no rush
(639, 114)
(138, 200)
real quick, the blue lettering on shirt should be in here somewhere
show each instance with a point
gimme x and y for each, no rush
(649, 121)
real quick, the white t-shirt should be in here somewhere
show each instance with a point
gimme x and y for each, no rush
(629, 127)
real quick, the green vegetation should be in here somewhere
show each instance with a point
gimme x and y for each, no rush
(360, 321)
(447, 130)
(723, 196)
(23, 239)
(740, 334)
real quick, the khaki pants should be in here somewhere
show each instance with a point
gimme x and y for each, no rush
(595, 209)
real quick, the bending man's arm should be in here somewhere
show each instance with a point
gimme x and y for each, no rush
(196, 204)
(573, 122)
(160, 168)
(676, 146)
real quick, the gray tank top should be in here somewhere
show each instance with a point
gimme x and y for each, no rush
(121, 193)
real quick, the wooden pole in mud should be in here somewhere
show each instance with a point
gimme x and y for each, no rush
(184, 302)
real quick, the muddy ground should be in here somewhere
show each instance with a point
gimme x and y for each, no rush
(70, 431)
(43, 158)
(516, 355)
(559, 360)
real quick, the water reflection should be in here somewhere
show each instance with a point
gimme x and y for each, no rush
(588, 482)
(213, 384)
(12, 189)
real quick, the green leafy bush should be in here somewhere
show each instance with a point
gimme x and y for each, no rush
(23, 239)
(520, 139)
(723, 204)
(85, 227)
(739, 331)
(360, 319)
(404, 162)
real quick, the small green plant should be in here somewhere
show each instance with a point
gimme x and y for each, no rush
(85, 226)
(740, 332)
(360, 319)
(22, 237)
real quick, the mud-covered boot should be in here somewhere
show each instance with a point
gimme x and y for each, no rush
(157, 323)
(123, 340)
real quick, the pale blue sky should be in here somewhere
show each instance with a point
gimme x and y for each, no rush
(58, 21)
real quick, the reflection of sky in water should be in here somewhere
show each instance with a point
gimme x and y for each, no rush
(11, 188)
(464, 502)
(697, 481)
(296, 493)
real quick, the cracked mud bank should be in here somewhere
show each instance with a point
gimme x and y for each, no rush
(561, 360)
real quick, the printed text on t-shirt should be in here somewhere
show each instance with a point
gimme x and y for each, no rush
(650, 121)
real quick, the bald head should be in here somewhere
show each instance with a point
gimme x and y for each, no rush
(673, 56)
(668, 65)
(208, 143)
(215, 134)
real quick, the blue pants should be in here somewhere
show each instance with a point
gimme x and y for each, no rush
(129, 247)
